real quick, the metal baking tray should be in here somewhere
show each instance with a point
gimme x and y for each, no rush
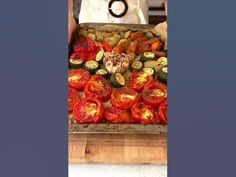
(105, 128)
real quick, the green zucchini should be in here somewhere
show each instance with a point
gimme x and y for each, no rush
(136, 66)
(146, 56)
(158, 68)
(163, 61)
(99, 57)
(162, 76)
(75, 63)
(91, 66)
(150, 64)
(117, 80)
(103, 73)
(149, 71)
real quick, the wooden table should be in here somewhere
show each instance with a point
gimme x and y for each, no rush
(118, 148)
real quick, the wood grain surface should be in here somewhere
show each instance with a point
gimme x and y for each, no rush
(117, 149)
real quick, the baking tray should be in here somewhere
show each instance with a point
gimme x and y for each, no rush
(105, 128)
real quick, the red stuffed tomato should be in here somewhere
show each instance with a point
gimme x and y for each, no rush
(98, 87)
(124, 98)
(118, 116)
(89, 110)
(73, 98)
(144, 113)
(154, 93)
(139, 80)
(162, 112)
(78, 78)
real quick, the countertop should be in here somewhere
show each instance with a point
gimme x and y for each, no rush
(95, 170)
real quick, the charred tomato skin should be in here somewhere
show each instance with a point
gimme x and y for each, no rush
(77, 78)
(154, 94)
(162, 112)
(139, 80)
(98, 87)
(124, 98)
(73, 98)
(89, 110)
(84, 44)
(144, 114)
(118, 116)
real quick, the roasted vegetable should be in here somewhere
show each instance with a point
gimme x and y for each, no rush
(159, 53)
(143, 47)
(127, 34)
(162, 61)
(132, 47)
(89, 110)
(136, 66)
(124, 98)
(122, 34)
(107, 47)
(151, 64)
(138, 58)
(136, 35)
(91, 30)
(103, 73)
(122, 46)
(139, 80)
(156, 45)
(98, 87)
(131, 56)
(117, 80)
(141, 39)
(99, 36)
(77, 78)
(75, 63)
(112, 40)
(100, 56)
(144, 114)
(146, 56)
(83, 32)
(91, 66)
(92, 36)
(116, 62)
(162, 75)
(106, 34)
(149, 35)
(149, 71)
